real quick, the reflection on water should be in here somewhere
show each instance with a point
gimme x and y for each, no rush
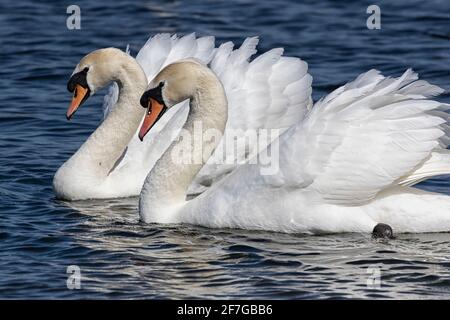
(123, 258)
(192, 262)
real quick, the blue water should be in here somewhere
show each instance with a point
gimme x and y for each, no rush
(120, 257)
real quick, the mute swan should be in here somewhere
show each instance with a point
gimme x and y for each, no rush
(344, 168)
(113, 163)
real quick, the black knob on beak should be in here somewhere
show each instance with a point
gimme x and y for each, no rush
(145, 98)
(78, 78)
(155, 93)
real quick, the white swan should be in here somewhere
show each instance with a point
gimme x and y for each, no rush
(114, 163)
(343, 168)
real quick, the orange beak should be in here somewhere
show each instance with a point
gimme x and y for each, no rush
(80, 94)
(154, 112)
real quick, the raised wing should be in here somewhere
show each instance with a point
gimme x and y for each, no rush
(362, 138)
(269, 92)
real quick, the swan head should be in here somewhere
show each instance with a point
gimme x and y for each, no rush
(175, 83)
(94, 71)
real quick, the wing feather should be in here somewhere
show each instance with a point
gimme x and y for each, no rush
(269, 92)
(363, 137)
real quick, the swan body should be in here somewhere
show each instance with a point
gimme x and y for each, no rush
(114, 163)
(345, 166)
(90, 173)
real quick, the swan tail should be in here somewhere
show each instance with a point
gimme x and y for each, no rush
(437, 164)
(410, 210)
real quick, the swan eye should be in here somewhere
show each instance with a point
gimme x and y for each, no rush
(78, 78)
(161, 84)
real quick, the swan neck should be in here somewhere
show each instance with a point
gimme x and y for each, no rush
(107, 144)
(166, 186)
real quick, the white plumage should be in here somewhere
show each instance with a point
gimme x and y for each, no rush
(344, 164)
(270, 92)
(343, 167)
(364, 137)
(261, 94)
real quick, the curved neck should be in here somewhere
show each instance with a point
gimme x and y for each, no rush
(106, 145)
(166, 186)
